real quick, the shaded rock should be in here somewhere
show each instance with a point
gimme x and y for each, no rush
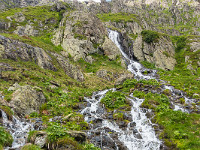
(69, 69)
(13, 49)
(78, 135)
(26, 99)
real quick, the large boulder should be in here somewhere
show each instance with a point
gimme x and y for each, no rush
(13, 49)
(161, 53)
(26, 99)
(110, 49)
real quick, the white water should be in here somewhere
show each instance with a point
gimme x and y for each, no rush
(18, 129)
(133, 66)
(148, 140)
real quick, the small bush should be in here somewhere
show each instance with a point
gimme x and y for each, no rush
(150, 36)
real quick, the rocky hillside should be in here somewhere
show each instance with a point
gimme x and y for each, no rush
(54, 53)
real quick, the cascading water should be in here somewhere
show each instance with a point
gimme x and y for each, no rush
(133, 66)
(139, 134)
(19, 130)
(137, 69)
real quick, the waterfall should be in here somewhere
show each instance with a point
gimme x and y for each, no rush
(18, 129)
(133, 66)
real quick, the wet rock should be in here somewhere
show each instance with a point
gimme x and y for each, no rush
(177, 92)
(132, 124)
(138, 136)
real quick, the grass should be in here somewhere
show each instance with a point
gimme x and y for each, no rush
(118, 17)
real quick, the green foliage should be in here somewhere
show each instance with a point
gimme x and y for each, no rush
(150, 36)
(91, 147)
(114, 100)
(31, 147)
(147, 64)
(180, 42)
(5, 138)
(133, 36)
(118, 116)
(79, 36)
(117, 17)
(55, 131)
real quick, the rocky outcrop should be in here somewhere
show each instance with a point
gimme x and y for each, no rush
(161, 52)
(26, 30)
(80, 33)
(110, 49)
(69, 69)
(26, 99)
(13, 49)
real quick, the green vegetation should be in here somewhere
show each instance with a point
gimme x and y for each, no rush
(30, 147)
(118, 17)
(5, 138)
(114, 100)
(150, 36)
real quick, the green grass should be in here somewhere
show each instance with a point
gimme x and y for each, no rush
(118, 17)
(43, 42)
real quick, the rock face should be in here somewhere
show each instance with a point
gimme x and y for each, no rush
(79, 34)
(161, 53)
(13, 49)
(27, 30)
(26, 99)
(69, 69)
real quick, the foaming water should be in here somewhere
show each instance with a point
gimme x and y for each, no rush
(133, 66)
(18, 129)
(139, 137)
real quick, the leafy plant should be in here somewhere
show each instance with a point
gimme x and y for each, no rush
(5, 137)
(114, 99)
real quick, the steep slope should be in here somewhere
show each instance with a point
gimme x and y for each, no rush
(55, 54)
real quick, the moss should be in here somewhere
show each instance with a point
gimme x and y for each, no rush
(30, 147)
(118, 116)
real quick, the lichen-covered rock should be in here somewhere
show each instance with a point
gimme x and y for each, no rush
(26, 99)
(27, 30)
(79, 34)
(13, 49)
(69, 69)
(110, 49)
